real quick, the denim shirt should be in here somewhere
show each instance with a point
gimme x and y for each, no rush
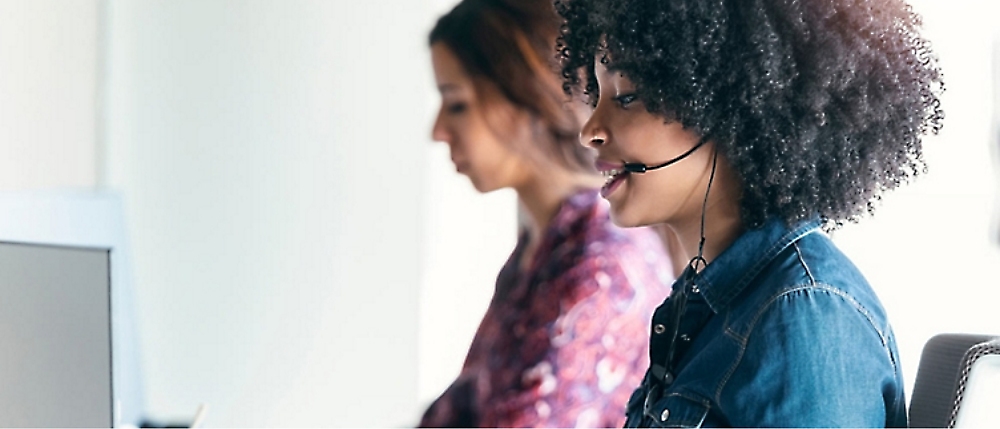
(780, 330)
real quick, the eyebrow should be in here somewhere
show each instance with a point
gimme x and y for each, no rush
(447, 87)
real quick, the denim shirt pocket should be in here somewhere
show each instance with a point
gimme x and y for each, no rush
(677, 410)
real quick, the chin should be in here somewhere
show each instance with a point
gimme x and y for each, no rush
(627, 220)
(483, 187)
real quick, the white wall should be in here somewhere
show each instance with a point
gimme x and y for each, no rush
(469, 237)
(48, 93)
(272, 156)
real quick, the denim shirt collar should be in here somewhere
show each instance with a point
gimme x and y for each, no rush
(726, 277)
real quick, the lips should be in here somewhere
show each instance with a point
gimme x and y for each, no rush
(603, 166)
(614, 174)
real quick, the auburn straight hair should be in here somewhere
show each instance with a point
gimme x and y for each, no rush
(510, 45)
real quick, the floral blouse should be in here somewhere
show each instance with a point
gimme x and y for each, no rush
(564, 340)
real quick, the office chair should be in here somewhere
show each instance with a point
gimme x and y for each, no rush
(958, 382)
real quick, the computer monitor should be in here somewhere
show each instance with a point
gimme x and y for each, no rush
(55, 336)
(87, 219)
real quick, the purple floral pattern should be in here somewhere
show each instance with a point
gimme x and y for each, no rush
(564, 341)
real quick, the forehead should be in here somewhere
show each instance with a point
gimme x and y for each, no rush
(600, 68)
(448, 69)
(605, 73)
(602, 62)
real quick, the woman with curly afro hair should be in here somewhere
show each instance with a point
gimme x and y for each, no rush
(748, 128)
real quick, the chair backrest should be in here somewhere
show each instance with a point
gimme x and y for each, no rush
(957, 383)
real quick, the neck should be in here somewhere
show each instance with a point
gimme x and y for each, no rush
(541, 195)
(721, 229)
(675, 250)
(723, 223)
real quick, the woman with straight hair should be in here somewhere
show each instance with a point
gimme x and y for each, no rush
(563, 340)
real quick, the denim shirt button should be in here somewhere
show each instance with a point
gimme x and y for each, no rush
(659, 328)
(664, 415)
(694, 288)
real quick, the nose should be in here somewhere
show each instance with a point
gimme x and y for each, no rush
(594, 134)
(439, 132)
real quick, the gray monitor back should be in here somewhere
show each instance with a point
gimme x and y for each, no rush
(91, 220)
(55, 336)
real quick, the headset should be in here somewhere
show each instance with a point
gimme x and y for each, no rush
(639, 168)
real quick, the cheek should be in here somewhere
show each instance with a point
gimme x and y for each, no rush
(653, 198)
(500, 163)
(489, 163)
(646, 195)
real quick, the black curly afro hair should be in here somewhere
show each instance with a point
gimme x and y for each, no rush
(818, 105)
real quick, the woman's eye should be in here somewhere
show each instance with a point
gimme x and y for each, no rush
(455, 108)
(625, 99)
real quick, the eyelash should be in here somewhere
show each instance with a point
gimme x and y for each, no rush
(455, 108)
(625, 100)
